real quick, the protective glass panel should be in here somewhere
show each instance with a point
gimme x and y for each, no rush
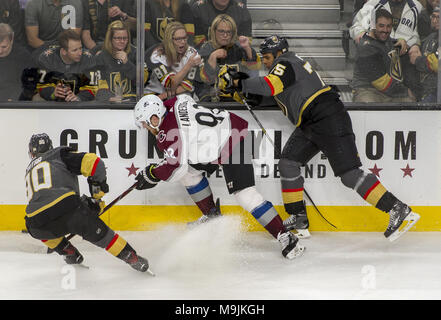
(384, 59)
(89, 51)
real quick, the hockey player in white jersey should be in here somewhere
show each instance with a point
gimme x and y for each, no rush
(195, 138)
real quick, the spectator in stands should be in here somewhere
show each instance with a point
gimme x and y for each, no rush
(224, 47)
(424, 19)
(70, 71)
(14, 58)
(173, 64)
(205, 11)
(404, 26)
(12, 14)
(99, 14)
(118, 71)
(378, 73)
(358, 4)
(158, 13)
(46, 19)
(427, 62)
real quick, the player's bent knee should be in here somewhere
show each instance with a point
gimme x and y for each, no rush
(289, 168)
(352, 177)
(102, 237)
(249, 198)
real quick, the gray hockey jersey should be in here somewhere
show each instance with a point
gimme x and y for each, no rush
(292, 82)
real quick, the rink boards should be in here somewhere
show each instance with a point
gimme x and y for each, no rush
(401, 147)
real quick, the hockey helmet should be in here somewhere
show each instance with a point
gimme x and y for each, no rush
(39, 143)
(273, 44)
(149, 105)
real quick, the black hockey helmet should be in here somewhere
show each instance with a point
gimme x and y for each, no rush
(272, 44)
(39, 143)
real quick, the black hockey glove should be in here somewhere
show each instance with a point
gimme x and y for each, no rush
(96, 206)
(146, 179)
(227, 75)
(253, 100)
(97, 189)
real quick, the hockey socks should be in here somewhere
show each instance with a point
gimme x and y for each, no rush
(269, 218)
(121, 249)
(374, 193)
(64, 248)
(369, 188)
(54, 244)
(293, 200)
(292, 185)
(202, 196)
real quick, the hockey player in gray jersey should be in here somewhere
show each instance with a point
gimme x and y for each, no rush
(56, 209)
(322, 124)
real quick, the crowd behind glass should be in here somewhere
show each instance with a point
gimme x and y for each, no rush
(85, 50)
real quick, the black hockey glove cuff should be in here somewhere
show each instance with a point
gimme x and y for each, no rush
(146, 179)
(96, 206)
(253, 100)
(97, 189)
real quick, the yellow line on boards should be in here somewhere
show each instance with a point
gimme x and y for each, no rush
(141, 218)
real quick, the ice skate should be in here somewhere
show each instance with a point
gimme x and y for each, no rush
(214, 213)
(298, 222)
(401, 220)
(291, 248)
(71, 255)
(138, 263)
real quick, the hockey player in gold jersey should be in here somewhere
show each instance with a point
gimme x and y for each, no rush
(56, 209)
(322, 124)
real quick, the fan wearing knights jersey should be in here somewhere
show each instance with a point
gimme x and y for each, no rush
(196, 139)
(174, 64)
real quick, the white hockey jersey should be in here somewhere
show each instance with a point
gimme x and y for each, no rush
(193, 134)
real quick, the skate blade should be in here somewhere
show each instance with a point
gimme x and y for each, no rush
(150, 272)
(83, 266)
(408, 223)
(302, 233)
(297, 252)
(194, 224)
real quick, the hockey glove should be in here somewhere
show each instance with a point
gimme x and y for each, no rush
(146, 179)
(97, 189)
(226, 76)
(96, 206)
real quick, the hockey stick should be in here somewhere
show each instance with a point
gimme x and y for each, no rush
(122, 195)
(110, 205)
(272, 143)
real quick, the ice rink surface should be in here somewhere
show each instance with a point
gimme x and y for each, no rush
(219, 261)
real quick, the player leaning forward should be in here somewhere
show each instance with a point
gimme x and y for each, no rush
(196, 139)
(56, 209)
(322, 124)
